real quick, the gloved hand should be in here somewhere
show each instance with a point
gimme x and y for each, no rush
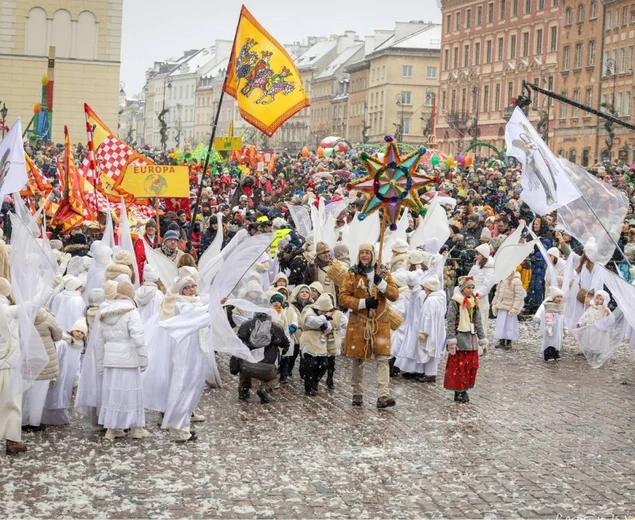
(53, 382)
(285, 350)
(494, 310)
(324, 327)
(58, 280)
(174, 288)
(422, 337)
(292, 329)
(372, 303)
(512, 312)
(452, 349)
(377, 279)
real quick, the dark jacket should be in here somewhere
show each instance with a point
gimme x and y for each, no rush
(278, 338)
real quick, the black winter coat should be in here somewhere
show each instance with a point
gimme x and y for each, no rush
(278, 339)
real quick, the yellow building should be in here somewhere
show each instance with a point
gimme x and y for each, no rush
(87, 39)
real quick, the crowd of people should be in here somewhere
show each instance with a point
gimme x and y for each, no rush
(107, 321)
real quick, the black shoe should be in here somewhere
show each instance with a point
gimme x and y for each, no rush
(500, 344)
(385, 402)
(244, 395)
(463, 398)
(456, 397)
(358, 400)
(29, 428)
(329, 382)
(311, 393)
(265, 398)
(427, 379)
(508, 344)
(283, 381)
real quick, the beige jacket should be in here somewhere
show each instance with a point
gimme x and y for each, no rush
(510, 294)
(50, 332)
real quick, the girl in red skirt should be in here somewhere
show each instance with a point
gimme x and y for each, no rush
(465, 335)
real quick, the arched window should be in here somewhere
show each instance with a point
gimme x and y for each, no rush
(606, 156)
(594, 10)
(568, 17)
(36, 32)
(86, 43)
(572, 155)
(585, 157)
(580, 13)
(62, 33)
(561, 153)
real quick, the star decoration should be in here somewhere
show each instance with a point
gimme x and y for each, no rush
(392, 183)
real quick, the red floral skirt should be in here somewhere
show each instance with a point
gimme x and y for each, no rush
(460, 370)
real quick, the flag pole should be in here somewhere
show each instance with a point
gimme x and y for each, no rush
(207, 157)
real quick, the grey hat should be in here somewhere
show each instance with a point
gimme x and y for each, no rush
(151, 223)
(169, 235)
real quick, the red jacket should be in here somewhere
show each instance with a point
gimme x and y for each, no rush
(140, 253)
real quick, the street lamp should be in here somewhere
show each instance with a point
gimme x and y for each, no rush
(608, 125)
(3, 112)
(167, 83)
(399, 132)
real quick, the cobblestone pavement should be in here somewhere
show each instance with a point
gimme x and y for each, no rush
(537, 440)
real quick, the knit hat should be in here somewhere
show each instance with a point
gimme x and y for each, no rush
(113, 271)
(170, 235)
(123, 257)
(416, 257)
(427, 258)
(486, 235)
(367, 247)
(341, 250)
(102, 254)
(553, 292)
(412, 279)
(183, 282)
(5, 287)
(56, 245)
(432, 283)
(323, 303)
(126, 290)
(188, 270)
(400, 246)
(466, 281)
(110, 290)
(151, 223)
(484, 250)
(96, 297)
(554, 251)
(322, 247)
(317, 286)
(276, 297)
(80, 325)
(399, 277)
(72, 283)
(278, 222)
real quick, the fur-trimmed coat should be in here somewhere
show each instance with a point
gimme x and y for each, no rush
(357, 286)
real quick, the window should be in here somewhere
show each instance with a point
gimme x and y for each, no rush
(468, 18)
(594, 10)
(568, 16)
(555, 3)
(633, 13)
(576, 98)
(448, 23)
(627, 104)
(563, 107)
(458, 21)
(625, 16)
(383, 72)
(527, 6)
(512, 47)
(429, 99)
(618, 104)
(622, 62)
(497, 97)
(36, 32)
(591, 56)
(500, 49)
(501, 10)
(572, 154)
(617, 18)
(446, 59)
(479, 16)
(406, 71)
(406, 97)
(477, 53)
(453, 101)
(629, 60)
(406, 125)
(490, 12)
(514, 8)
(609, 20)
(486, 98)
(580, 13)
(510, 92)
(431, 72)
(86, 41)
(553, 43)
(463, 99)
(566, 62)
(444, 99)
(541, 5)
(466, 55)
(589, 99)
(525, 44)
(578, 56)
(539, 41)
(61, 36)
(488, 51)
(456, 58)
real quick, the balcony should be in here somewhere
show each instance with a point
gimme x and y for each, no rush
(458, 120)
(507, 113)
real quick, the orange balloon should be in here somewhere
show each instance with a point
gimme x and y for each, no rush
(305, 152)
(37, 108)
(320, 152)
(469, 160)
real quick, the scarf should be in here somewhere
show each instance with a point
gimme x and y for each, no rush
(466, 306)
(170, 252)
(554, 308)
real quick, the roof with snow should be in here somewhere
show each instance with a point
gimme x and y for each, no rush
(317, 51)
(428, 37)
(339, 62)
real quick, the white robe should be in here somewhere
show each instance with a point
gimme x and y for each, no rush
(68, 307)
(148, 299)
(410, 357)
(88, 397)
(401, 306)
(58, 399)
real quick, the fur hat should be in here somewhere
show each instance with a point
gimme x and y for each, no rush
(96, 297)
(5, 287)
(317, 286)
(123, 257)
(466, 281)
(322, 247)
(114, 270)
(80, 325)
(149, 275)
(110, 290)
(341, 251)
(324, 303)
(400, 246)
(432, 283)
(416, 257)
(484, 250)
(412, 279)
(554, 251)
(367, 247)
(125, 289)
(605, 296)
(72, 283)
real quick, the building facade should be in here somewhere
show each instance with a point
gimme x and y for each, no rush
(86, 35)
(489, 48)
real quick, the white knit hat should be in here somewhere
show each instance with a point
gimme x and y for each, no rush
(324, 303)
(96, 297)
(72, 283)
(149, 275)
(416, 257)
(484, 250)
(554, 251)
(554, 291)
(184, 281)
(399, 277)
(188, 270)
(400, 246)
(412, 279)
(432, 283)
(317, 286)
(80, 325)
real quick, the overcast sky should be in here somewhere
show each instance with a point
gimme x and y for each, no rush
(154, 30)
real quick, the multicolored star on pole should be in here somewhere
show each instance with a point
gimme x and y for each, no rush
(392, 183)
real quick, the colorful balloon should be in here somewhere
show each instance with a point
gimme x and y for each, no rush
(328, 152)
(305, 152)
(434, 160)
(469, 160)
(461, 159)
(320, 152)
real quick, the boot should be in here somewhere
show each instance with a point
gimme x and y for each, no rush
(500, 344)
(14, 447)
(427, 379)
(244, 394)
(508, 344)
(28, 428)
(284, 370)
(265, 398)
(114, 433)
(310, 375)
(330, 372)
(456, 397)
(197, 417)
(385, 402)
(140, 433)
(358, 400)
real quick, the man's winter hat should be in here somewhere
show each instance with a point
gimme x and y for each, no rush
(276, 297)
(5, 287)
(484, 250)
(170, 235)
(400, 246)
(324, 303)
(151, 223)
(432, 283)
(80, 325)
(322, 247)
(412, 279)
(466, 281)
(369, 248)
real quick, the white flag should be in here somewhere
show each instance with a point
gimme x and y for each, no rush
(546, 185)
(13, 175)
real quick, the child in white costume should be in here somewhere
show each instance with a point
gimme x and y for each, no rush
(552, 324)
(597, 310)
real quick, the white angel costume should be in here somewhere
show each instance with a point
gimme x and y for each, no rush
(148, 297)
(69, 305)
(401, 305)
